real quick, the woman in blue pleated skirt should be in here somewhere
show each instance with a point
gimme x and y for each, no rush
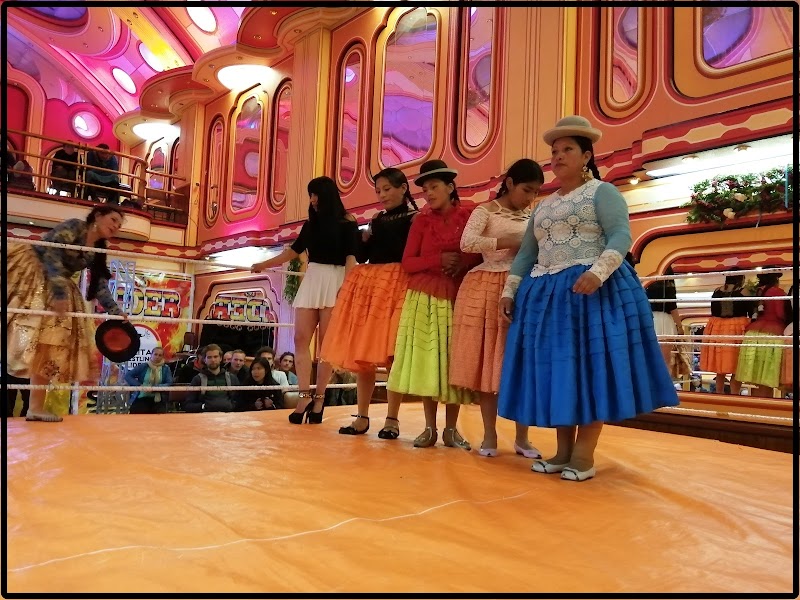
(581, 347)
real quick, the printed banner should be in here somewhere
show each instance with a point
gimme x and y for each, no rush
(154, 295)
(240, 307)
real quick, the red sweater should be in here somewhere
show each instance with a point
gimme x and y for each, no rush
(432, 234)
(773, 318)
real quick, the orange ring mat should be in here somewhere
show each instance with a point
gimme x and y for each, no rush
(246, 502)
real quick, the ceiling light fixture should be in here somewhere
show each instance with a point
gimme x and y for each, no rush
(155, 131)
(241, 77)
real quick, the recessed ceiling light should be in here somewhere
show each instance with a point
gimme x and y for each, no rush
(634, 180)
(156, 131)
(239, 77)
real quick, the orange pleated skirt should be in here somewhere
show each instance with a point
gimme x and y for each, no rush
(363, 327)
(479, 335)
(722, 359)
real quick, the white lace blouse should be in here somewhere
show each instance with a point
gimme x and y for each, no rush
(487, 223)
(587, 226)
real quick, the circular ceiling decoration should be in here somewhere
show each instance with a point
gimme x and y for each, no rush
(151, 59)
(124, 80)
(86, 125)
(203, 18)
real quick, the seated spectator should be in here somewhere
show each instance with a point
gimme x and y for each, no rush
(11, 160)
(268, 354)
(341, 396)
(209, 399)
(68, 169)
(187, 372)
(226, 359)
(154, 372)
(260, 374)
(22, 177)
(236, 364)
(287, 366)
(102, 159)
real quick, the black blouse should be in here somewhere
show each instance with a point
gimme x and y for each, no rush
(389, 234)
(663, 289)
(328, 244)
(729, 310)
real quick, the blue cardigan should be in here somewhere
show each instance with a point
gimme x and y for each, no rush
(136, 377)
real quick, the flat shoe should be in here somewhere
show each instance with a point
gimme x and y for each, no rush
(527, 453)
(571, 474)
(488, 451)
(542, 466)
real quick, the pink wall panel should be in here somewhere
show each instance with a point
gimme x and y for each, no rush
(58, 124)
(17, 111)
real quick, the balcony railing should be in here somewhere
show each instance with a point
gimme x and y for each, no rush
(38, 175)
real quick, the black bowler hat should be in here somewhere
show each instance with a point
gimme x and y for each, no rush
(435, 169)
(118, 341)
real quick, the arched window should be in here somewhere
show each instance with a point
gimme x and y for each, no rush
(409, 88)
(216, 142)
(478, 77)
(280, 145)
(246, 155)
(347, 151)
(173, 163)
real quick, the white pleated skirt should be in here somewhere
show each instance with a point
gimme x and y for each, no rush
(319, 286)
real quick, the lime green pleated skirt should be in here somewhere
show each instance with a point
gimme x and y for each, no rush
(421, 354)
(760, 365)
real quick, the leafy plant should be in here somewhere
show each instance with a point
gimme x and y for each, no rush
(292, 281)
(728, 197)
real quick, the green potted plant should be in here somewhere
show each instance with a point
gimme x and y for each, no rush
(727, 197)
(292, 281)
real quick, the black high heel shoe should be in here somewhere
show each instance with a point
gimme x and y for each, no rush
(316, 417)
(298, 417)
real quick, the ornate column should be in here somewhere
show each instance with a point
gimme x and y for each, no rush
(539, 78)
(310, 77)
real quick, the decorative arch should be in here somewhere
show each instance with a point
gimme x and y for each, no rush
(246, 155)
(214, 162)
(480, 86)
(410, 111)
(348, 147)
(281, 123)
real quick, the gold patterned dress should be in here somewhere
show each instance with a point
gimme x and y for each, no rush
(59, 349)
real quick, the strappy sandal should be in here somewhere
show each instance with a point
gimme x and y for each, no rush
(427, 438)
(316, 417)
(351, 430)
(390, 432)
(452, 438)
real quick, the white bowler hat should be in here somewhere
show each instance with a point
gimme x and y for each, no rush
(572, 126)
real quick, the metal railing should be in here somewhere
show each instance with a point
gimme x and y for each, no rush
(132, 189)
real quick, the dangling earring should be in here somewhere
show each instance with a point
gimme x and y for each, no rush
(587, 174)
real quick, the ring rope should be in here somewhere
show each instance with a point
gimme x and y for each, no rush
(737, 299)
(124, 253)
(175, 388)
(714, 335)
(743, 345)
(108, 317)
(715, 273)
(719, 413)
